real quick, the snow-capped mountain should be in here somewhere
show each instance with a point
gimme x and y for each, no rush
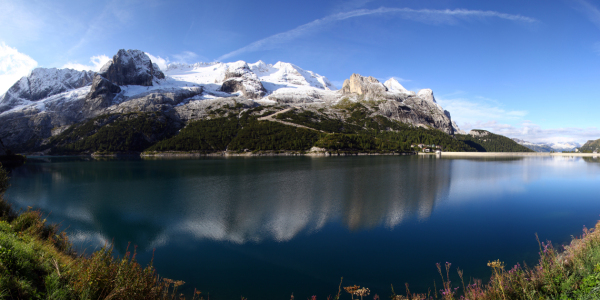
(48, 101)
(548, 147)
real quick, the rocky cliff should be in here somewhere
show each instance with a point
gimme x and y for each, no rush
(48, 101)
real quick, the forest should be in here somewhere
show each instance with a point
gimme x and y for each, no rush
(238, 129)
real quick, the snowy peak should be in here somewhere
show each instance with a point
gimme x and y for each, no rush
(547, 147)
(288, 73)
(393, 85)
(42, 83)
(426, 94)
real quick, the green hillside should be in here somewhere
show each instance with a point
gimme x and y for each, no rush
(131, 132)
(485, 141)
(238, 129)
(591, 146)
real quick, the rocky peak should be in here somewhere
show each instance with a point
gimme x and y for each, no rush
(393, 85)
(478, 133)
(361, 85)
(131, 67)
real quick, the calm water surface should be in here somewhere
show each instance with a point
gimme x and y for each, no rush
(263, 228)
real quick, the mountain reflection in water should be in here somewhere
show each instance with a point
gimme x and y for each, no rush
(236, 200)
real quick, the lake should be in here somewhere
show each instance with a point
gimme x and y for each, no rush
(264, 227)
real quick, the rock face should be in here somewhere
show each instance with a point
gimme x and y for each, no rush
(131, 67)
(101, 94)
(478, 133)
(360, 85)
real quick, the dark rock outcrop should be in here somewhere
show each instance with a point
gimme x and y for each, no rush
(101, 94)
(131, 67)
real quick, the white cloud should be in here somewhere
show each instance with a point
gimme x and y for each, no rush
(471, 111)
(488, 114)
(161, 62)
(97, 62)
(13, 66)
(421, 15)
(531, 132)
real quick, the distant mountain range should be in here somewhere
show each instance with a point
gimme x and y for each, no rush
(549, 147)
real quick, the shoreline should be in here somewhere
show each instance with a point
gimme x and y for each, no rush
(263, 153)
(484, 154)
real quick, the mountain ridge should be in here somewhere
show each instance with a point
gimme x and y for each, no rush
(132, 83)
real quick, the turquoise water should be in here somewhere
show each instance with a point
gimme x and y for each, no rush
(263, 228)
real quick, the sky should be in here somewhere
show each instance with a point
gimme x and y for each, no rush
(523, 69)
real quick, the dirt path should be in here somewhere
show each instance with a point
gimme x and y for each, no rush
(273, 119)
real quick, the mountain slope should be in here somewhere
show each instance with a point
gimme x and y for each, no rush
(591, 146)
(485, 141)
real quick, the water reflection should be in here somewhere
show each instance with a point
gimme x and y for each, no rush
(150, 203)
(242, 200)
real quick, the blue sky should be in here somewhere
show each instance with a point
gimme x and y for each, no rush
(525, 69)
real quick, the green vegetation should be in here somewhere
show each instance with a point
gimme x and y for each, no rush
(205, 136)
(131, 132)
(489, 142)
(265, 135)
(590, 146)
(37, 262)
(237, 128)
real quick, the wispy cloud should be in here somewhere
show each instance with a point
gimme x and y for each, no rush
(114, 15)
(187, 57)
(96, 63)
(422, 15)
(13, 66)
(592, 12)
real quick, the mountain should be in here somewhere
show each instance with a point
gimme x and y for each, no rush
(537, 147)
(40, 107)
(591, 146)
(485, 141)
(549, 147)
(564, 146)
